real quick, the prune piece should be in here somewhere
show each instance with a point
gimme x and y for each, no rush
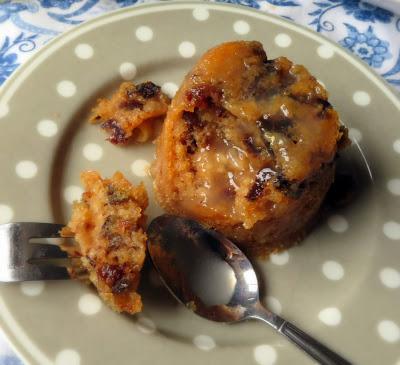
(131, 104)
(270, 66)
(251, 146)
(326, 105)
(118, 135)
(111, 273)
(204, 96)
(121, 286)
(292, 189)
(191, 146)
(259, 184)
(148, 90)
(192, 120)
(275, 123)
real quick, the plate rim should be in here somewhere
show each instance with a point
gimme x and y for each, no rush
(24, 70)
(11, 328)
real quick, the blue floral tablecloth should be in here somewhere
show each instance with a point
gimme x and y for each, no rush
(370, 32)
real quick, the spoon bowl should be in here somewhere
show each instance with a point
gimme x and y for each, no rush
(211, 276)
(202, 269)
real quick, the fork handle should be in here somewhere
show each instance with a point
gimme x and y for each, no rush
(308, 344)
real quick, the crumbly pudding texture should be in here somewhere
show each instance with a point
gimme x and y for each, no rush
(248, 147)
(108, 228)
(133, 113)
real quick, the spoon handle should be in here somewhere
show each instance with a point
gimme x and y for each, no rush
(310, 345)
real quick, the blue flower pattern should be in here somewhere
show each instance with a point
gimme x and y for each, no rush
(8, 8)
(8, 58)
(124, 3)
(360, 10)
(366, 45)
(7, 63)
(62, 4)
(256, 4)
(367, 12)
(372, 33)
(252, 3)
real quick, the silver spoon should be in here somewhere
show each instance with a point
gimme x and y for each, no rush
(212, 277)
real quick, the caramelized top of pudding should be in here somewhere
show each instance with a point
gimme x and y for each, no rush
(252, 130)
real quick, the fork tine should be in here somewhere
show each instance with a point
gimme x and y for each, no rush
(32, 272)
(40, 250)
(50, 272)
(41, 230)
(16, 251)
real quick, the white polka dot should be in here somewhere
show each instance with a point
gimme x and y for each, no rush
(47, 128)
(145, 325)
(84, 51)
(337, 223)
(390, 277)
(187, 49)
(281, 258)
(392, 230)
(140, 168)
(6, 213)
(355, 135)
(265, 355)
(89, 304)
(144, 33)
(92, 152)
(204, 342)
(361, 98)
(241, 27)
(396, 145)
(389, 331)
(169, 88)
(66, 88)
(325, 51)
(283, 40)
(274, 305)
(200, 13)
(72, 193)
(333, 270)
(68, 357)
(3, 110)
(127, 70)
(330, 316)
(32, 288)
(26, 169)
(393, 186)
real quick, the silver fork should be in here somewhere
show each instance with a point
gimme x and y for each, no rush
(21, 260)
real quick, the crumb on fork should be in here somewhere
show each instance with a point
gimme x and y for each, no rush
(108, 227)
